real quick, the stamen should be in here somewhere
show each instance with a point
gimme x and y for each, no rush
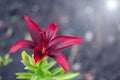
(43, 50)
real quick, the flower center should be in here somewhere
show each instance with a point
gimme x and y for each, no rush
(43, 50)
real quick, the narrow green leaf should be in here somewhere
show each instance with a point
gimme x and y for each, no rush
(56, 70)
(36, 77)
(44, 62)
(29, 66)
(24, 75)
(67, 76)
(49, 65)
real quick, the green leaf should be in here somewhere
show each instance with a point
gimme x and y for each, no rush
(24, 75)
(56, 70)
(26, 57)
(42, 71)
(67, 76)
(6, 59)
(35, 78)
(29, 66)
(49, 65)
(44, 62)
(28, 61)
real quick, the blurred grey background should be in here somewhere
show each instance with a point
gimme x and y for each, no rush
(96, 21)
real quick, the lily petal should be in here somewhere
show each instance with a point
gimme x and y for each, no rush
(38, 56)
(35, 32)
(60, 58)
(22, 44)
(61, 42)
(51, 31)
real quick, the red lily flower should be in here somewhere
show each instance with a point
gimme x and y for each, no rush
(45, 43)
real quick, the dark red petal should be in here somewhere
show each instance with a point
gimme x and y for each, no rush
(51, 31)
(38, 56)
(35, 32)
(59, 57)
(22, 44)
(61, 42)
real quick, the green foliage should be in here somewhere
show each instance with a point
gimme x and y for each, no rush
(5, 60)
(43, 71)
(0, 78)
(14, 19)
(27, 36)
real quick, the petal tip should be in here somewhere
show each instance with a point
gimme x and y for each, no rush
(67, 70)
(12, 50)
(61, 60)
(53, 24)
(81, 40)
(25, 17)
